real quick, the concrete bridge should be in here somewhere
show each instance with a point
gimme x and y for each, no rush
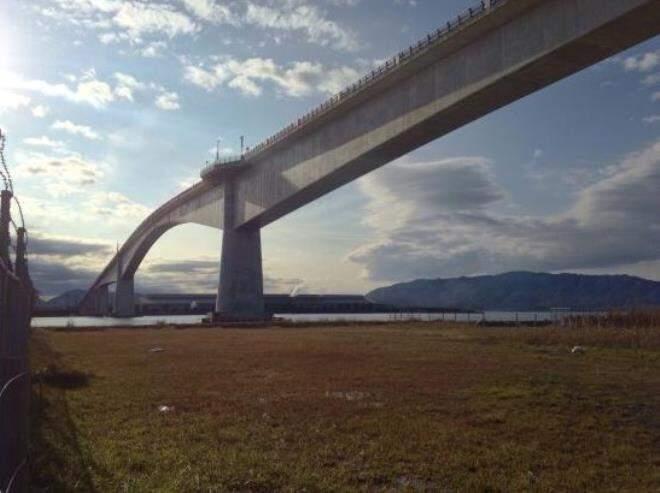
(495, 54)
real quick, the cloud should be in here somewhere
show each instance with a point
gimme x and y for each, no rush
(337, 79)
(140, 19)
(126, 85)
(121, 19)
(43, 141)
(421, 233)
(52, 277)
(74, 129)
(46, 245)
(210, 11)
(132, 21)
(88, 90)
(153, 50)
(196, 276)
(116, 206)
(65, 174)
(297, 16)
(59, 264)
(168, 101)
(248, 76)
(642, 63)
(40, 111)
(12, 101)
(651, 80)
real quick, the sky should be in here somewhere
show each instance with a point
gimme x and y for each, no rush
(112, 107)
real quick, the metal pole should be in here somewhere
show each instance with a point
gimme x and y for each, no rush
(20, 261)
(5, 218)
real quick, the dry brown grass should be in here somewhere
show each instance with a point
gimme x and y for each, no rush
(390, 407)
(634, 319)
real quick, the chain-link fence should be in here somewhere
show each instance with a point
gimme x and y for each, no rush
(16, 301)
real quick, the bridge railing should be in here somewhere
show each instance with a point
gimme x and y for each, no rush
(16, 302)
(392, 64)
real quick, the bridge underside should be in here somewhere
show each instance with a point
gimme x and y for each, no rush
(511, 50)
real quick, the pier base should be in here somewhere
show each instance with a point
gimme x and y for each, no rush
(240, 290)
(124, 300)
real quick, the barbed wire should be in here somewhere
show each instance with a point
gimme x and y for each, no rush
(7, 179)
(6, 175)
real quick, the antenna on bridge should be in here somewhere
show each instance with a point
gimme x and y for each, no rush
(217, 150)
(242, 144)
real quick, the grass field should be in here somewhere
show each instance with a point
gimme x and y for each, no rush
(407, 407)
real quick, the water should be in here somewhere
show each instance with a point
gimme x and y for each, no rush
(303, 317)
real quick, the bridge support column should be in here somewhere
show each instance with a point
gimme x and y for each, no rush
(102, 301)
(124, 302)
(240, 290)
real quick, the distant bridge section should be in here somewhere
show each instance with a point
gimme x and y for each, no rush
(495, 54)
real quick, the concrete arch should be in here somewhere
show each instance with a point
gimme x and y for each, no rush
(200, 204)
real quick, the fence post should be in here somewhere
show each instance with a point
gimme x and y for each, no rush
(5, 218)
(20, 262)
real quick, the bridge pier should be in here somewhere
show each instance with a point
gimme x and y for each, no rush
(124, 305)
(240, 288)
(102, 301)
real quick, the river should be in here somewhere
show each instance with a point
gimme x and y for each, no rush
(312, 317)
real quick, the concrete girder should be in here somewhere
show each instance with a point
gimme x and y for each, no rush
(518, 48)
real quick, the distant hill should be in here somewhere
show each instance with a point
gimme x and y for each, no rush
(523, 291)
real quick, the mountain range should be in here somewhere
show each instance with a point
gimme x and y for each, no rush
(519, 291)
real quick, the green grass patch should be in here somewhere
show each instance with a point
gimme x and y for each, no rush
(419, 407)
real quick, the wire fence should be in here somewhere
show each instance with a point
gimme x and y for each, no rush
(16, 301)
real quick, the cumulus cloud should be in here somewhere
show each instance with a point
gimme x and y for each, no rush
(133, 21)
(425, 229)
(116, 206)
(126, 85)
(10, 100)
(168, 101)
(211, 11)
(304, 17)
(75, 129)
(40, 111)
(66, 173)
(642, 63)
(249, 76)
(43, 141)
(86, 89)
(153, 49)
